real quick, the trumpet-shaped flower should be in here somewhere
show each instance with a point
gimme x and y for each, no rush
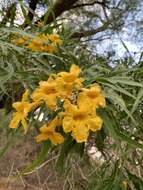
(55, 38)
(44, 37)
(36, 44)
(46, 92)
(22, 109)
(50, 48)
(79, 121)
(93, 96)
(41, 42)
(64, 89)
(20, 41)
(70, 76)
(48, 132)
(67, 81)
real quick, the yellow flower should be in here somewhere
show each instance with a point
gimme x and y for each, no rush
(46, 92)
(57, 86)
(67, 81)
(37, 41)
(49, 48)
(79, 121)
(64, 89)
(93, 96)
(22, 110)
(39, 44)
(72, 75)
(44, 37)
(48, 132)
(19, 41)
(55, 38)
(36, 44)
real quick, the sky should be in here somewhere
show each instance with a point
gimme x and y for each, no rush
(131, 34)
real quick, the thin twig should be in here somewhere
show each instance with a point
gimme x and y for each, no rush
(42, 165)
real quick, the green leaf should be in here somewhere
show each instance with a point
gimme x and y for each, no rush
(79, 148)
(5, 148)
(6, 73)
(117, 99)
(138, 100)
(119, 89)
(100, 137)
(40, 158)
(124, 80)
(68, 144)
(138, 182)
(115, 133)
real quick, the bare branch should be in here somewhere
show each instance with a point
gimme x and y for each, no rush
(58, 8)
(89, 4)
(31, 8)
(90, 32)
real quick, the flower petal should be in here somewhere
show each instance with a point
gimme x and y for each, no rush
(84, 103)
(100, 101)
(15, 120)
(50, 127)
(24, 124)
(69, 108)
(56, 138)
(80, 133)
(95, 124)
(25, 96)
(75, 70)
(18, 106)
(68, 124)
(51, 101)
(46, 129)
(42, 137)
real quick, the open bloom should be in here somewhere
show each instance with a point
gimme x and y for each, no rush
(44, 37)
(45, 43)
(80, 121)
(36, 44)
(46, 92)
(20, 41)
(50, 48)
(22, 109)
(41, 42)
(92, 97)
(55, 38)
(57, 86)
(48, 132)
(67, 81)
(71, 76)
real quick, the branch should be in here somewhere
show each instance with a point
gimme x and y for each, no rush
(90, 32)
(89, 4)
(30, 15)
(58, 8)
(32, 6)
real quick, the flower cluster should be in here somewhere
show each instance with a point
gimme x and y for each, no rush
(40, 42)
(77, 114)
